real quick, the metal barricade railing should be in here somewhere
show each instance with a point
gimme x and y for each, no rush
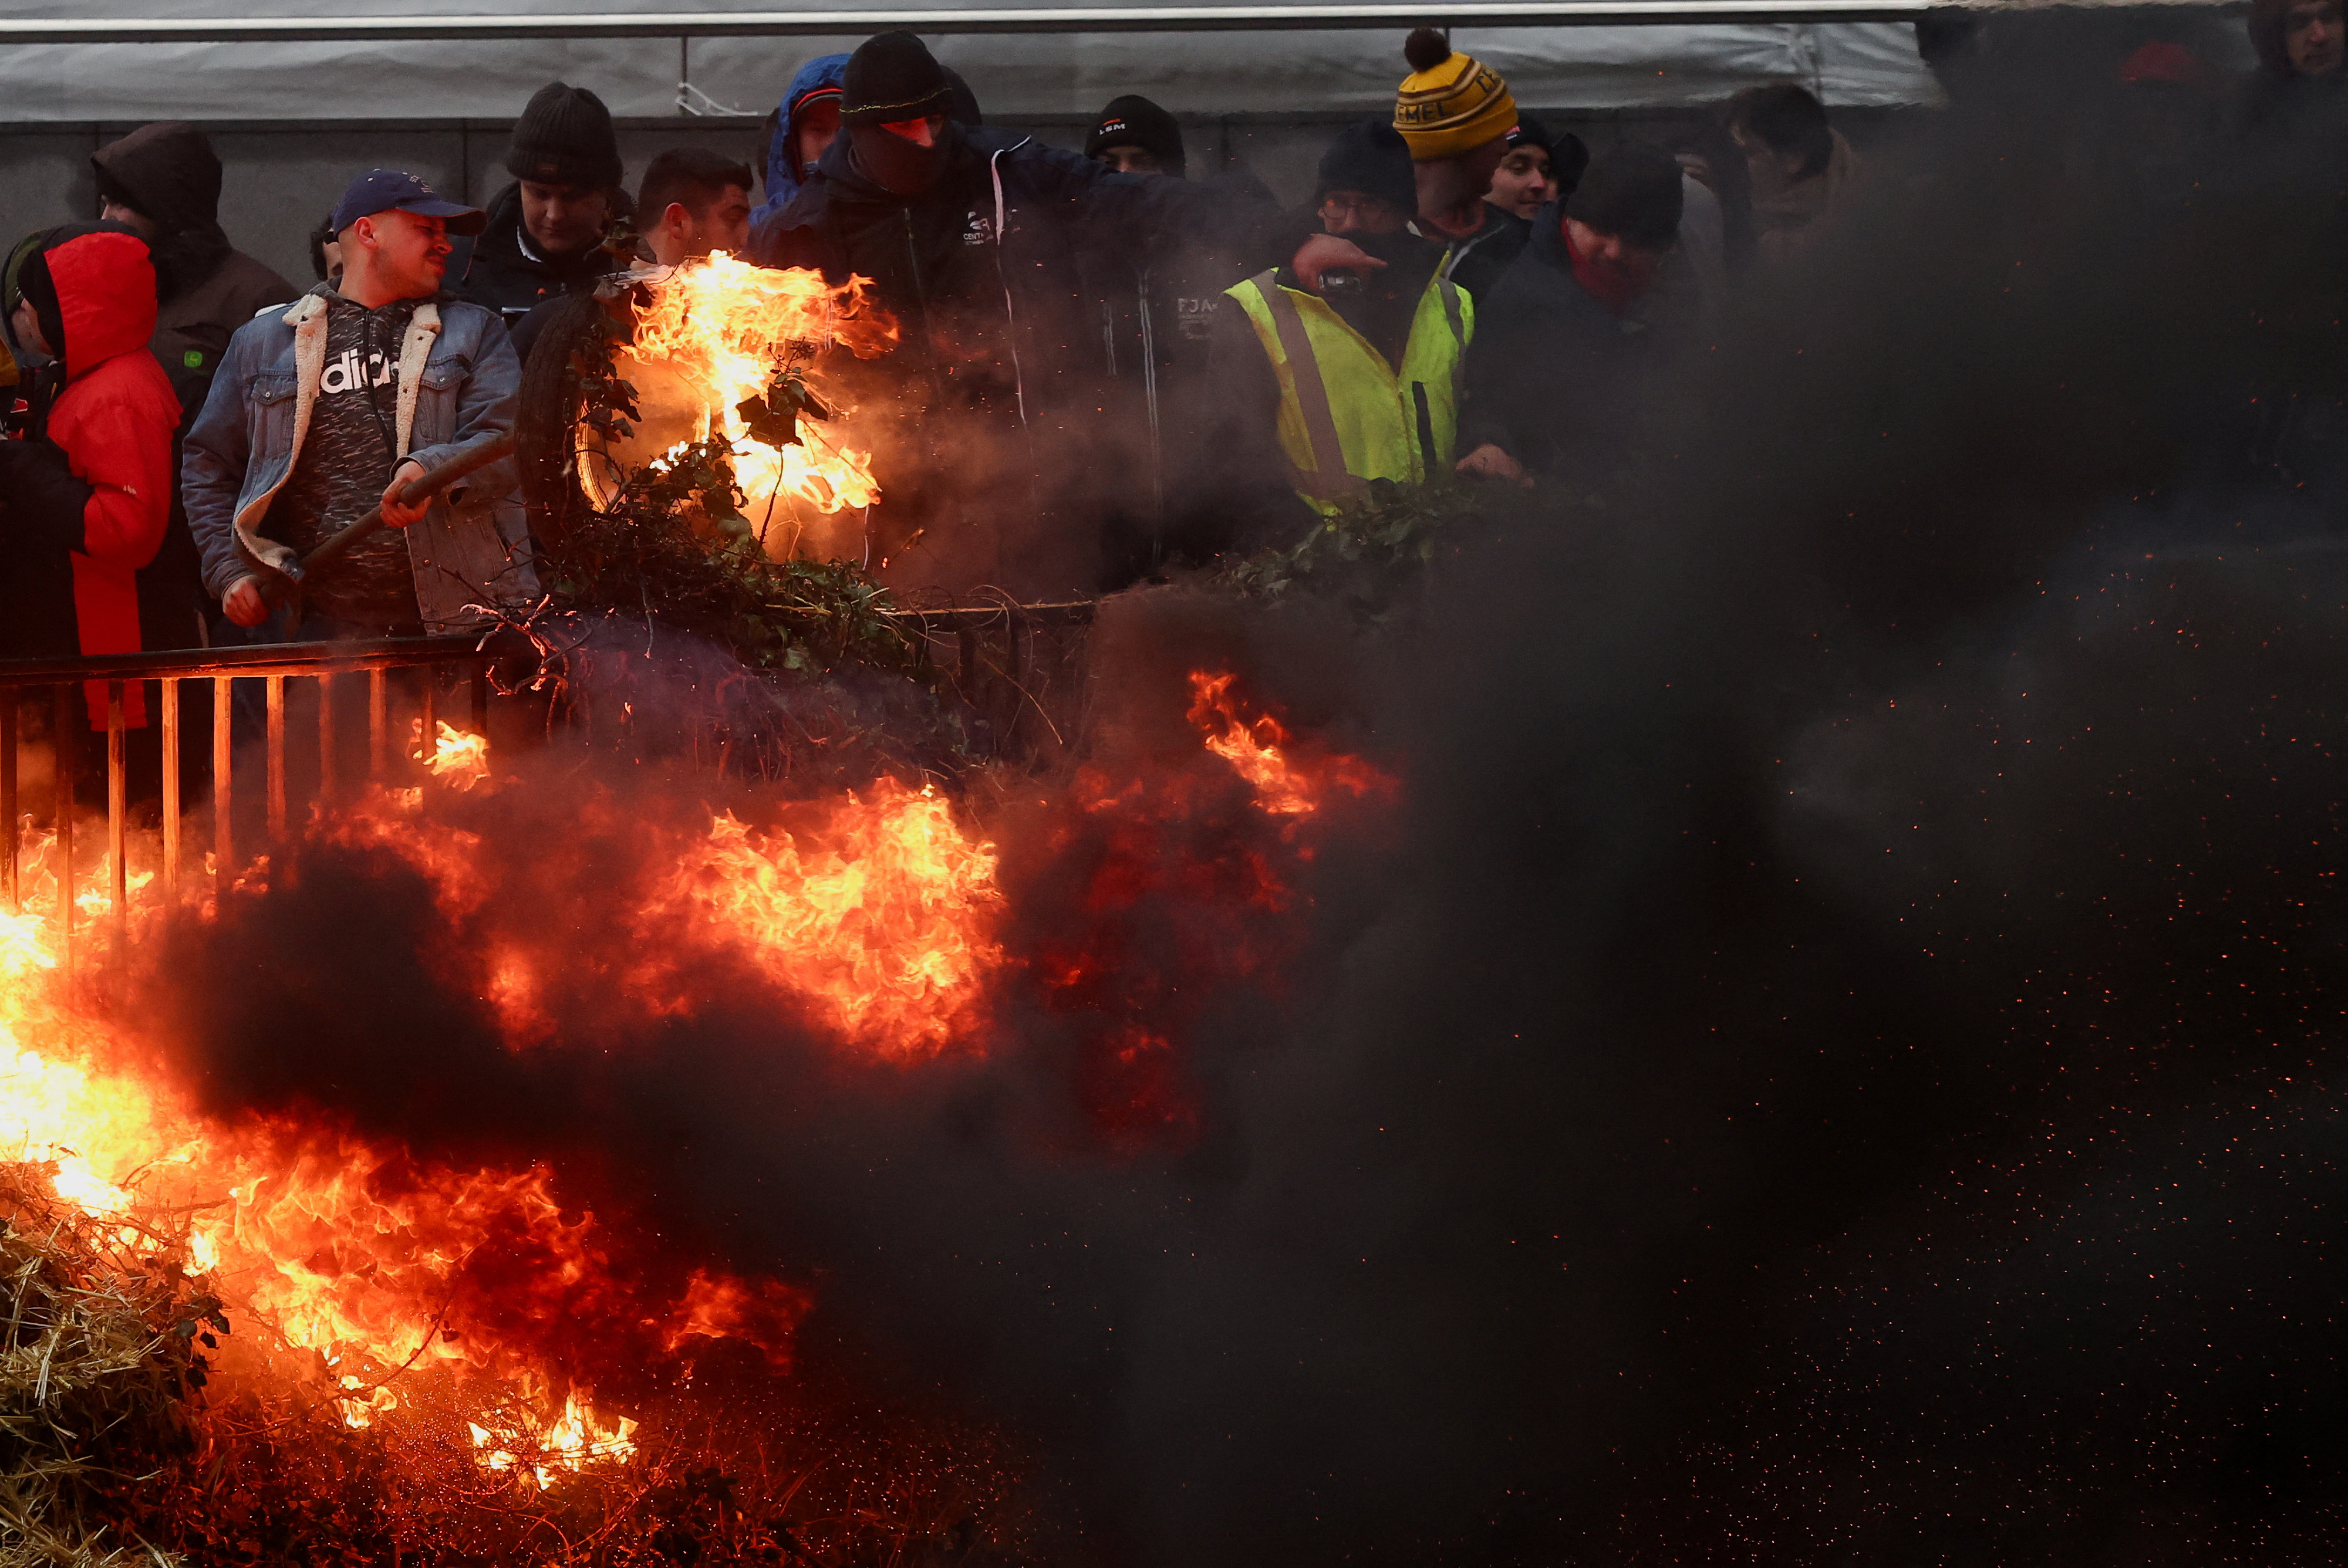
(274, 664)
(1012, 662)
(1017, 664)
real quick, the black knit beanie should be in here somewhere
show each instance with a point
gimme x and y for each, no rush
(565, 137)
(893, 77)
(1529, 133)
(1371, 158)
(962, 105)
(1634, 194)
(1569, 156)
(1135, 121)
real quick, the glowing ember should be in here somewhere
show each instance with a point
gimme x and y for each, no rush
(724, 327)
(573, 1439)
(882, 914)
(458, 757)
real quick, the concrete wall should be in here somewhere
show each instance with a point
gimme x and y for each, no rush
(283, 176)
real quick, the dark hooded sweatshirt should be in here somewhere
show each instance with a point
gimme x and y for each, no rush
(86, 501)
(167, 174)
(819, 80)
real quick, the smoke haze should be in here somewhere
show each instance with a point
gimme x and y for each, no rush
(1832, 1057)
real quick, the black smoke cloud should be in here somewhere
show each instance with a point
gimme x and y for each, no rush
(1833, 1060)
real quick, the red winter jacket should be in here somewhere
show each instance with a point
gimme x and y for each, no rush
(114, 421)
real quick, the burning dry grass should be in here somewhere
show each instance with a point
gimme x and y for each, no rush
(97, 1368)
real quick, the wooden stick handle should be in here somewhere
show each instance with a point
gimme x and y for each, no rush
(478, 453)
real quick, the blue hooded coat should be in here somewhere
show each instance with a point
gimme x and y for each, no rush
(782, 168)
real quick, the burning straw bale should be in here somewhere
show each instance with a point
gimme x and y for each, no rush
(96, 1369)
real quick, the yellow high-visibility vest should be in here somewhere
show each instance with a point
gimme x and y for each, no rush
(1346, 416)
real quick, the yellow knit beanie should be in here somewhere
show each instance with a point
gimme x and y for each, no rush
(1450, 103)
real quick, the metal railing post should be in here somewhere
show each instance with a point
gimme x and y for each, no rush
(9, 801)
(61, 795)
(428, 726)
(224, 784)
(378, 723)
(327, 735)
(171, 786)
(276, 756)
(117, 815)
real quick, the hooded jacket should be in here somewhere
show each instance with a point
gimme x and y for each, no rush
(167, 173)
(824, 71)
(503, 270)
(113, 423)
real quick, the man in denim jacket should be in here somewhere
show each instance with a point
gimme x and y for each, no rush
(324, 409)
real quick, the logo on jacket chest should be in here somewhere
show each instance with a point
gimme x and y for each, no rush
(979, 229)
(349, 373)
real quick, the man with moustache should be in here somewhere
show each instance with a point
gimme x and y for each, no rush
(324, 410)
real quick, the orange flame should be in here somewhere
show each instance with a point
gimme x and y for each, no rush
(358, 1265)
(568, 1443)
(882, 915)
(724, 326)
(342, 1259)
(458, 757)
(1258, 750)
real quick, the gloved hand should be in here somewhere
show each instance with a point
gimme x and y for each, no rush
(40, 499)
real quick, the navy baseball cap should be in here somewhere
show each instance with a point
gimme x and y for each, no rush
(381, 190)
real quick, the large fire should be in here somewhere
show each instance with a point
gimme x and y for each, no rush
(734, 341)
(418, 1293)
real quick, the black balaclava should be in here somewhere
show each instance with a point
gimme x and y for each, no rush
(893, 78)
(900, 167)
(1135, 121)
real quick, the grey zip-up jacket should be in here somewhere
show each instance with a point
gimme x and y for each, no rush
(458, 378)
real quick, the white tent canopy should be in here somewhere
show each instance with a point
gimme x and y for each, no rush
(223, 74)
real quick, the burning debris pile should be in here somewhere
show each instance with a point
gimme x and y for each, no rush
(697, 492)
(256, 1326)
(686, 461)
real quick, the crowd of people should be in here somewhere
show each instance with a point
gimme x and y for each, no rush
(1111, 364)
